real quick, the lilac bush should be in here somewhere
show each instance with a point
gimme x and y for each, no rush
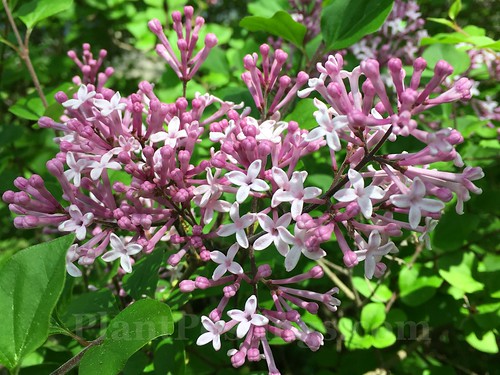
(133, 177)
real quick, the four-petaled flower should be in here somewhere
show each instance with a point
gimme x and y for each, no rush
(298, 242)
(248, 317)
(99, 166)
(238, 226)
(81, 97)
(122, 251)
(75, 168)
(71, 256)
(372, 252)
(296, 193)
(425, 237)
(78, 222)
(415, 201)
(359, 193)
(214, 331)
(276, 232)
(247, 182)
(327, 126)
(211, 189)
(172, 135)
(226, 262)
(109, 106)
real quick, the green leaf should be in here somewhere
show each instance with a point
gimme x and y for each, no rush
(170, 357)
(30, 284)
(280, 24)
(383, 338)
(372, 316)
(453, 230)
(36, 10)
(303, 114)
(28, 108)
(143, 281)
(442, 21)
(129, 331)
(460, 275)
(366, 287)
(487, 343)
(344, 22)
(455, 8)
(417, 285)
(352, 339)
(266, 8)
(459, 59)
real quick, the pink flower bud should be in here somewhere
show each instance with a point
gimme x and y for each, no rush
(350, 259)
(187, 286)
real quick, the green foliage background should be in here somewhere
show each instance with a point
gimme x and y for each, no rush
(435, 312)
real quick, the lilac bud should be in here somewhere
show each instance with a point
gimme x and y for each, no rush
(302, 78)
(293, 316)
(380, 269)
(312, 307)
(314, 340)
(316, 272)
(392, 230)
(205, 255)
(350, 259)
(211, 40)
(187, 286)
(287, 335)
(238, 359)
(55, 167)
(8, 196)
(264, 270)
(21, 183)
(202, 282)
(259, 332)
(155, 26)
(253, 354)
(419, 64)
(443, 68)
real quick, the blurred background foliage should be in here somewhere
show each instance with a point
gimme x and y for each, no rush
(434, 312)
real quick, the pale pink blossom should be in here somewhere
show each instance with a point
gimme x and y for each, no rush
(78, 222)
(226, 262)
(248, 317)
(122, 251)
(247, 182)
(82, 96)
(213, 334)
(238, 226)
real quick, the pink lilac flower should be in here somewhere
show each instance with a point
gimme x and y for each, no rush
(298, 242)
(72, 256)
(76, 168)
(328, 126)
(172, 135)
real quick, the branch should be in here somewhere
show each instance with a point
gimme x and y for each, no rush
(66, 367)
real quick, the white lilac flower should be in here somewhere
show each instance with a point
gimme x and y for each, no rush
(122, 251)
(430, 224)
(75, 168)
(212, 188)
(248, 317)
(81, 97)
(99, 166)
(415, 201)
(107, 107)
(213, 334)
(359, 193)
(298, 242)
(172, 135)
(247, 182)
(238, 226)
(226, 262)
(276, 233)
(372, 252)
(78, 222)
(328, 126)
(72, 256)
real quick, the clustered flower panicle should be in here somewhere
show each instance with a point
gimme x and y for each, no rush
(128, 165)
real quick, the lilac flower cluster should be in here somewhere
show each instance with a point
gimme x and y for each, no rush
(130, 165)
(398, 37)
